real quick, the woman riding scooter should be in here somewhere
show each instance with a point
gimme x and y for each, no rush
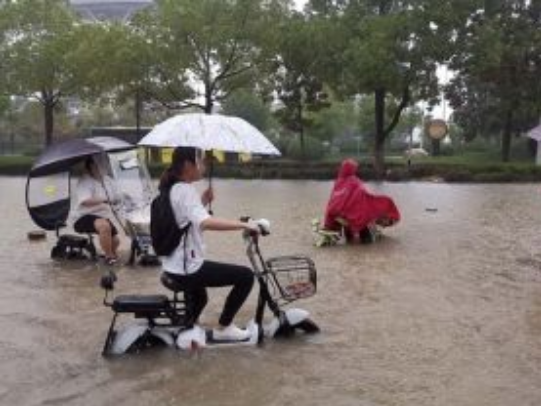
(94, 213)
(187, 265)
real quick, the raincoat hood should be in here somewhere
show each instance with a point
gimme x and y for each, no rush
(348, 168)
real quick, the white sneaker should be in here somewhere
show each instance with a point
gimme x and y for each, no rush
(230, 333)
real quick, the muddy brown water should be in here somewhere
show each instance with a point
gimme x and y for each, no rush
(445, 310)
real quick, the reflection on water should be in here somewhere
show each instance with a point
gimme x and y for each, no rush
(446, 310)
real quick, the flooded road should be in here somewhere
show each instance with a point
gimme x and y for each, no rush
(446, 310)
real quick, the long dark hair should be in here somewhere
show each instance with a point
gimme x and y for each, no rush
(181, 155)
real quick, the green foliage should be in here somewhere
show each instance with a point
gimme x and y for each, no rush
(245, 54)
(389, 49)
(4, 105)
(295, 74)
(250, 107)
(311, 148)
(38, 42)
(338, 121)
(202, 49)
(497, 89)
(36, 53)
(111, 58)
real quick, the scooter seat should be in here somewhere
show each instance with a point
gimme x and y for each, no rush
(171, 283)
(140, 303)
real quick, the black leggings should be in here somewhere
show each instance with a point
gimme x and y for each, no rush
(216, 275)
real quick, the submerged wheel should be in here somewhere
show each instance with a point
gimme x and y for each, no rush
(146, 341)
(285, 330)
(308, 326)
(57, 252)
(149, 260)
(92, 252)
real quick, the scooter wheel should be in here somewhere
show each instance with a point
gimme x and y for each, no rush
(308, 326)
(57, 253)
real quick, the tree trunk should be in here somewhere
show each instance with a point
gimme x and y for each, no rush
(301, 131)
(506, 136)
(436, 147)
(48, 111)
(138, 107)
(379, 139)
(381, 131)
(209, 102)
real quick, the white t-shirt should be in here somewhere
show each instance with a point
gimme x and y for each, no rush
(188, 208)
(90, 188)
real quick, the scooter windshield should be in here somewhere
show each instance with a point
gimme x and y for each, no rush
(135, 189)
(48, 199)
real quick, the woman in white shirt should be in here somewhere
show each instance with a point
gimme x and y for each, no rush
(93, 211)
(187, 265)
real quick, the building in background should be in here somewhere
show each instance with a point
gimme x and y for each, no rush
(107, 10)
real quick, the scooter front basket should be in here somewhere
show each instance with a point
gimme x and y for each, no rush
(293, 277)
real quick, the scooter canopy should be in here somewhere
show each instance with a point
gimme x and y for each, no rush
(48, 184)
(60, 157)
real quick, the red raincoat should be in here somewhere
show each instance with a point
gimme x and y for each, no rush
(351, 201)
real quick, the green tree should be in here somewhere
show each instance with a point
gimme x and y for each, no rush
(35, 53)
(340, 120)
(389, 49)
(497, 89)
(247, 105)
(295, 73)
(4, 104)
(203, 49)
(411, 117)
(115, 62)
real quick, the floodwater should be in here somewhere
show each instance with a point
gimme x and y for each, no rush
(445, 310)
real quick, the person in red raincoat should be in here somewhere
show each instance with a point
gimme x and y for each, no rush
(352, 206)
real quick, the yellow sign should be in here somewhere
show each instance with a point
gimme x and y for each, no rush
(437, 129)
(167, 155)
(245, 157)
(50, 190)
(219, 155)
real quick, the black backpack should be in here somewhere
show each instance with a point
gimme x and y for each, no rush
(164, 230)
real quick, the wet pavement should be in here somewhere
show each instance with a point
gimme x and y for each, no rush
(445, 310)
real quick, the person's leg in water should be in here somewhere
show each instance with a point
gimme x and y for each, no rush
(104, 228)
(116, 244)
(365, 236)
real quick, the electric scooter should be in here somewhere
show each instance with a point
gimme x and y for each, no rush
(168, 320)
(49, 195)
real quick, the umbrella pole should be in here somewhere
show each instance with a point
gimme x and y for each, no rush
(211, 173)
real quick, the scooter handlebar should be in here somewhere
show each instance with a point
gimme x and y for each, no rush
(263, 226)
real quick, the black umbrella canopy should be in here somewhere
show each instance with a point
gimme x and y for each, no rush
(60, 157)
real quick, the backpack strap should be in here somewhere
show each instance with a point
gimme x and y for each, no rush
(184, 236)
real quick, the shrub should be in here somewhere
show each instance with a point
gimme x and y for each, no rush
(313, 149)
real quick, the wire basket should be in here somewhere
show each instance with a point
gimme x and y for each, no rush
(292, 277)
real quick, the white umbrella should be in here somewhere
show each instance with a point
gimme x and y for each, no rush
(535, 133)
(209, 132)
